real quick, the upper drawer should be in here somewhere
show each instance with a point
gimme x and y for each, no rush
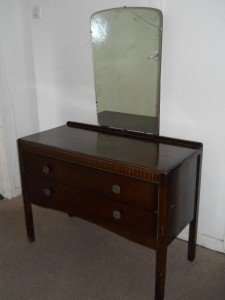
(108, 184)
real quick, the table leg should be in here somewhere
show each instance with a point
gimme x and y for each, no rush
(194, 223)
(192, 240)
(161, 247)
(160, 275)
(29, 219)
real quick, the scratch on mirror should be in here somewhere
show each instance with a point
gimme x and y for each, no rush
(142, 18)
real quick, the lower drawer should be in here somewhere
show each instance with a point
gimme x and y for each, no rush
(132, 222)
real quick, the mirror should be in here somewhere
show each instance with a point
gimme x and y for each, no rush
(127, 62)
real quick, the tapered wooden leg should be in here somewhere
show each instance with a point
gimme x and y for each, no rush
(160, 275)
(192, 240)
(194, 223)
(161, 247)
(29, 220)
(26, 202)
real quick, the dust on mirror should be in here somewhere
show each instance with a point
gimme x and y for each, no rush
(127, 61)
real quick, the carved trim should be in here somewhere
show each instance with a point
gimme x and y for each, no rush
(91, 161)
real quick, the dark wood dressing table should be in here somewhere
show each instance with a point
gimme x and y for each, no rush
(143, 187)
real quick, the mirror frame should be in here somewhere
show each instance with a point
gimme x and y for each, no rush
(159, 67)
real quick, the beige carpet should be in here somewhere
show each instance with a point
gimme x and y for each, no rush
(73, 259)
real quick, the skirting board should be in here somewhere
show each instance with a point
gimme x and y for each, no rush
(205, 241)
(16, 192)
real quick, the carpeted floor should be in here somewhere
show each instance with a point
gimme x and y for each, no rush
(73, 259)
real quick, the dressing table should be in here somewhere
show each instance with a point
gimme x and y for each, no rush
(133, 182)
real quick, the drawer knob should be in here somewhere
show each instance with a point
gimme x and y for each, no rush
(46, 169)
(116, 214)
(47, 192)
(116, 189)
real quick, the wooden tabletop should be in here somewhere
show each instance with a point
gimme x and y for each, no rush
(154, 154)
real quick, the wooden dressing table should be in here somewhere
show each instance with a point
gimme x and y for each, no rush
(143, 187)
(131, 181)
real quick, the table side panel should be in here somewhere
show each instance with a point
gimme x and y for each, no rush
(181, 194)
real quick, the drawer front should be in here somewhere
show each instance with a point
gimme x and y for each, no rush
(132, 222)
(117, 187)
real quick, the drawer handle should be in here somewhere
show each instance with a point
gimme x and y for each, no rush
(47, 192)
(116, 189)
(46, 170)
(116, 214)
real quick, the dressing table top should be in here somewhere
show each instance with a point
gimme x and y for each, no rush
(145, 151)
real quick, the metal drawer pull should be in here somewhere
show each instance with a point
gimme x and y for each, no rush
(116, 189)
(45, 169)
(116, 214)
(47, 192)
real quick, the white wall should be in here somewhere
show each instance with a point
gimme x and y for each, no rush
(193, 97)
(18, 109)
(1, 159)
(63, 59)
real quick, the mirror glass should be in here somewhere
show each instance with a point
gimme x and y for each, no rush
(127, 61)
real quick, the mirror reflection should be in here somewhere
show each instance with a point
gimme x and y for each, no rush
(127, 60)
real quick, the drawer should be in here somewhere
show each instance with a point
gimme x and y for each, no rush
(132, 222)
(117, 187)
